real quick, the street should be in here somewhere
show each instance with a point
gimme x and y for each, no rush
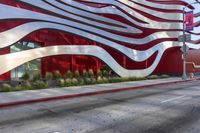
(163, 109)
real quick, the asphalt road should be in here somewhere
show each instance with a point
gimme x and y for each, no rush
(162, 109)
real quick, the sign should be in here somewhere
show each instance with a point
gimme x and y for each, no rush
(189, 21)
(187, 38)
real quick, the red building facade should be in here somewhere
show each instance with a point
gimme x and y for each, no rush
(132, 38)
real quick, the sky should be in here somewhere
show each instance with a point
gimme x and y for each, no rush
(197, 29)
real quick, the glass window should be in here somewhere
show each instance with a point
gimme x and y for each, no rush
(29, 67)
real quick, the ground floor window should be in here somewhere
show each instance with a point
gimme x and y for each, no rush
(29, 67)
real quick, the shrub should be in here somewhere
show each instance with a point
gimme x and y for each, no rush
(18, 88)
(90, 73)
(105, 80)
(81, 81)
(137, 78)
(124, 79)
(40, 85)
(74, 82)
(68, 74)
(153, 77)
(68, 82)
(132, 78)
(85, 74)
(114, 79)
(48, 76)
(107, 68)
(76, 74)
(28, 86)
(88, 81)
(164, 76)
(93, 80)
(61, 82)
(99, 80)
(25, 76)
(105, 73)
(6, 87)
(57, 75)
(110, 73)
(99, 73)
(36, 76)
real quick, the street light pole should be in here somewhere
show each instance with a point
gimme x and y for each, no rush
(184, 76)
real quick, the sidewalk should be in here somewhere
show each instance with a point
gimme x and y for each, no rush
(34, 96)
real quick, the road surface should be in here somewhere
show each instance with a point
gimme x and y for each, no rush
(163, 109)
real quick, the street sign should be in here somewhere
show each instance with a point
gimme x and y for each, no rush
(189, 21)
(187, 38)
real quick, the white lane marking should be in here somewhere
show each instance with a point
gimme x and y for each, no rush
(172, 99)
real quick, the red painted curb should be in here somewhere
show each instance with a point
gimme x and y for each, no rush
(9, 104)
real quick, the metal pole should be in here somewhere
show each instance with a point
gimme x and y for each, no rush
(184, 76)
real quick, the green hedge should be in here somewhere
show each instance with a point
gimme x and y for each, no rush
(40, 85)
(6, 87)
(88, 78)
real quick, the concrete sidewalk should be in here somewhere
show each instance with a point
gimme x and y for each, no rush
(34, 96)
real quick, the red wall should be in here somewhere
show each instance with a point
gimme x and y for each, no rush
(5, 76)
(171, 62)
(63, 63)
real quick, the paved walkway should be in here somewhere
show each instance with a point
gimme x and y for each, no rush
(31, 96)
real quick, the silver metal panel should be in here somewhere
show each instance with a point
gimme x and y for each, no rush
(79, 12)
(110, 10)
(157, 5)
(24, 14)
(16, 59)
(170, 16)
(94, 31)
(23, 30)
(152, 24)
(48, 7)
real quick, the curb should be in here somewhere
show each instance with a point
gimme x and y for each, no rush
(63, 97)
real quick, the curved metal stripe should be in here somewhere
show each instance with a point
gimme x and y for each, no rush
(83, 13)
(195, 37)
(197, 15)
(24, 14)
(110, 10)
(194, 33)
(11, 36)
(48, 7)
(106, 10)
(197, 24)
(170, 16)
(141, 17)
(157, 5)
(172, 2)
(193, 46)
(28, 55)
